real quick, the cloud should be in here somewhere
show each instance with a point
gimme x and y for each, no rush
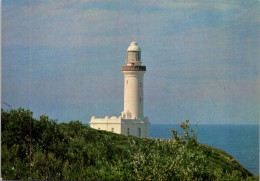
(190, 4)
(76, 23)
(198, 55)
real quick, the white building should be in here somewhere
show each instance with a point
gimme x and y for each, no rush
(132, 120)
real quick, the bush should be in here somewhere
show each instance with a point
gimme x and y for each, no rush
(42, 149)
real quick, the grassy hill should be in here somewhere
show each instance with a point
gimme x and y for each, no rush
(41, 149)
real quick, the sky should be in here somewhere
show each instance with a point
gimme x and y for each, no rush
(63, 58)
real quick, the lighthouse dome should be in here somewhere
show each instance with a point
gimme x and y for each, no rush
(133, 47)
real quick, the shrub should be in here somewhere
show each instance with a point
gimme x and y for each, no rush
(42, 149)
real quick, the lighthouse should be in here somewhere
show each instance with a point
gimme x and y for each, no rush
(133, 84)
(132, 120)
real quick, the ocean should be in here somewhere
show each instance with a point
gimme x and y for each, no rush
(240, 141)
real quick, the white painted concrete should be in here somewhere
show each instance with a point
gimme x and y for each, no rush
(133, 94)
(134, 47)
(132, 121)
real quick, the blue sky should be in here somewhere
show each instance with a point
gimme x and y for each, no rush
(64, 58)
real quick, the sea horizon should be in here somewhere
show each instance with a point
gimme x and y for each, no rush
(205, 124)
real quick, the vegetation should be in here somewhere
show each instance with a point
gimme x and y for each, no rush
(42, 149)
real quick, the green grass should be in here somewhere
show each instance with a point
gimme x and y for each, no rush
(41, 149)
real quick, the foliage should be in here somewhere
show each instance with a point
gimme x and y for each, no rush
(189, 140)
(42, 149)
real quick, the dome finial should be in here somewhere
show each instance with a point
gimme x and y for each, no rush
(133, 39)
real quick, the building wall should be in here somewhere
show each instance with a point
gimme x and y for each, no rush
(133, 94)
(136, 128)
(112, 124)
(121, 126)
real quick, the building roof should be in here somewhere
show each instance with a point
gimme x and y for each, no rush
(133, 47)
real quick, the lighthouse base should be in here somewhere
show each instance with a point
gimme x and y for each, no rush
(135, 127)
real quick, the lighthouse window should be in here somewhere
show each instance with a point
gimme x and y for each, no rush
(129, 56)
(140, 99)
(139, 132)
(128, 131)
(140, 84)
(112, 129)
(126, 82)
(136, 57)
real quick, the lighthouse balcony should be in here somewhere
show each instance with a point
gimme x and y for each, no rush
(133, 68)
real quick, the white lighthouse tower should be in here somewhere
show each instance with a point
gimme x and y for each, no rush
(133, 84)
(132, 121)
